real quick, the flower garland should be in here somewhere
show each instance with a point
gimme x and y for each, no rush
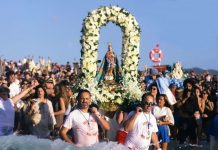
(130, 51)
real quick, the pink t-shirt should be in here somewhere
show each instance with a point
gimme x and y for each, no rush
(85, 128)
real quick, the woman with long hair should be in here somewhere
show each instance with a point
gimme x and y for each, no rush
(197, 114)
(153, 89)
(164, 116)
(43, 124)
(207, 110)
(58, 104)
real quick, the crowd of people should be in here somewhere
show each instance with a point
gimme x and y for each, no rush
(41, 103)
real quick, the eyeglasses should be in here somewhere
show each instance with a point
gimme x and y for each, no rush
(204, 93)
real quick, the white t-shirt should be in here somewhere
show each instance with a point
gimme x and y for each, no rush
(85, 128)
(6, 113)
(165, 111)
(14, 89)
(140, 137)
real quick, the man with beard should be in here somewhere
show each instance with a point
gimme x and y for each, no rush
(84, 123)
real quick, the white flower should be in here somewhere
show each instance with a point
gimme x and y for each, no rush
(119, 100)
(129, 25)
(116, 8)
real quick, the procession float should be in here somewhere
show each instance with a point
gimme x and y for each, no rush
(108, 86)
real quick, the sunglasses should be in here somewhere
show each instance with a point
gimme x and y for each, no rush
(204, 93)
(148, 104)
(154, 89)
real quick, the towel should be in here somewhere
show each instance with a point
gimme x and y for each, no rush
(163, 87)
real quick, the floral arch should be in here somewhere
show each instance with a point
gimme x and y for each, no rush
(130, 46)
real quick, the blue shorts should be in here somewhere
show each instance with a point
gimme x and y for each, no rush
(213, 128)
(163, 133)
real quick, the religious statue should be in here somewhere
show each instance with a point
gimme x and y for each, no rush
(109, 70)
(177, 72)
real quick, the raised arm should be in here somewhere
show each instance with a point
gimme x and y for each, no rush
(24, 92)
(129, 123)
(102, 121)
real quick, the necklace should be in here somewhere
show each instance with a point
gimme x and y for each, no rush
(148, 120)
(88, 120)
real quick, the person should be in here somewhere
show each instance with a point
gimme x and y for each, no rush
(187, 109)
(197, 114)
(7, 111)
(207, 111)
(109, 69)
(164, 116)
(153, 89)
(151, 78)
(49, 87)
(141, 126)
(121, 133)
(14, 84)
(84, 122)
(43, 125)
(125, 108)
(213, 130)
(58, 104)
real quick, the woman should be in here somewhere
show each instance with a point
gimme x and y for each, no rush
(58, 104)
(197, 114)
(207, 110)
(43, 125)
(164, 117)
(7, 111)
(154, 91)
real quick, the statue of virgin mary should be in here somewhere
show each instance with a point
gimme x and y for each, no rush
(109, 70)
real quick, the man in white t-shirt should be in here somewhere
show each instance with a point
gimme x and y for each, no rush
(141, 126)
(83, 122)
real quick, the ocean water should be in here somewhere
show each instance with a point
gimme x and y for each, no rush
(13, 142)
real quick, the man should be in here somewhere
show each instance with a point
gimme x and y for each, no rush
(83, 122)
(13, 83)
(49, 86)
(141, 126)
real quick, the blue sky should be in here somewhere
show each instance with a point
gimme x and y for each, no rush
(186, 30)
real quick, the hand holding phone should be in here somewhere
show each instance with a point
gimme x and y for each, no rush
(94, 110)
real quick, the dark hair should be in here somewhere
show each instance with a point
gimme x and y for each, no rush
(145, 95)
(4, 89)
(37, 89)
(167, 104)
(82, 91)
(94, 105)
(207, 91)
(9, 73)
